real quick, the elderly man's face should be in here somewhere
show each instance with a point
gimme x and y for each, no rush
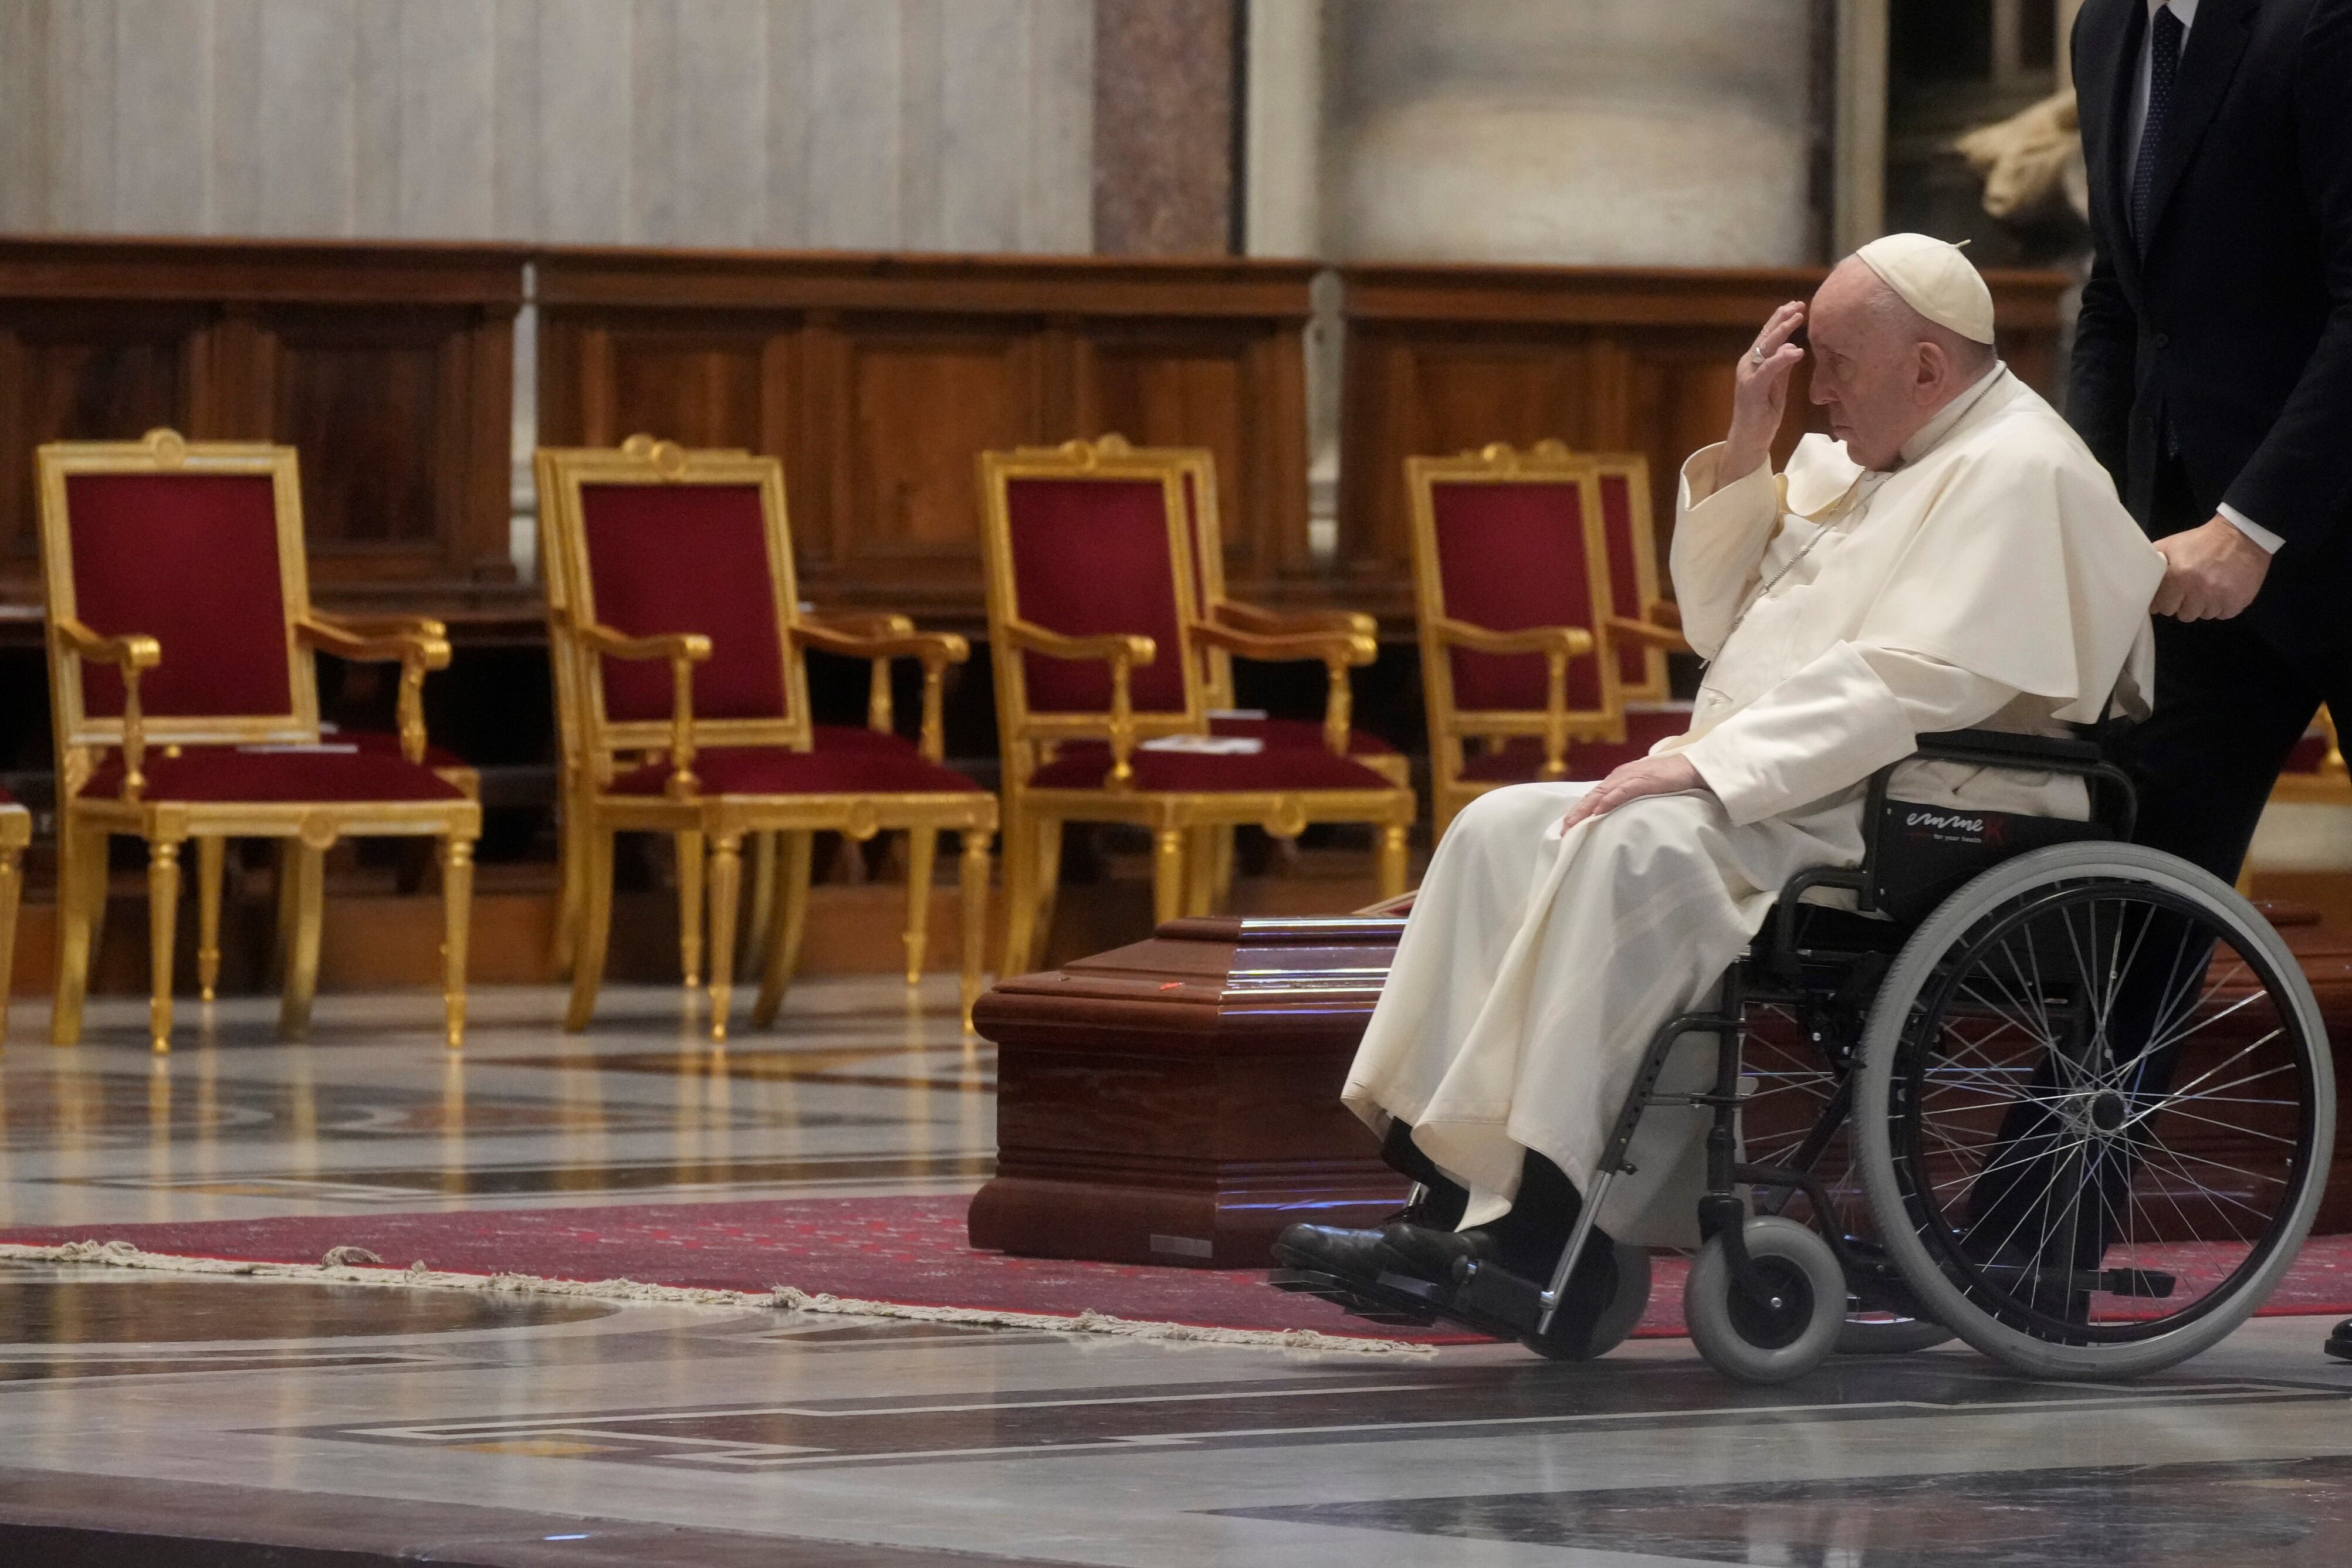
(1873, 371)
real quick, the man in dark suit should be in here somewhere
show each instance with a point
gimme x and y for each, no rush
(2212, 376)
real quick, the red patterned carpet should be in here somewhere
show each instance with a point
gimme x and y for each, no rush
(904, 1250)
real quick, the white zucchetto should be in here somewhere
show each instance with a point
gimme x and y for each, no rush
(1934, 279)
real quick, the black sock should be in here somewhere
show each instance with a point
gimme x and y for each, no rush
(1543, 1214)
(1443, 1202)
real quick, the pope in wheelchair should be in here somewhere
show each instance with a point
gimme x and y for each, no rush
(1856, 988)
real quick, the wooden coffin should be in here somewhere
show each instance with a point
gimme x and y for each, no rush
(1178, 1100)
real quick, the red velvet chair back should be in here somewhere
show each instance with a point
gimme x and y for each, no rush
(1091, 555)
(1512, 553)
(199, 546)
(1088, 540)
(650, 539)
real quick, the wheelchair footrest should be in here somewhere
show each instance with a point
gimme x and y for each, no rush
(1497, 1301)
(1378, 1302)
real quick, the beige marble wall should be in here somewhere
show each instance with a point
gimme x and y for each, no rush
(915, 124)
(1639, 131)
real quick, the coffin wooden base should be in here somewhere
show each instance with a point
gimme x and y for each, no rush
(1178, 1100)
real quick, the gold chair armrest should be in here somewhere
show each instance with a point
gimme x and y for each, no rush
(417, 644)
(1569, 642)
(1558, 644)
(1273, 647)
(129, 653)
(1338, 650)
(893, 637)
(859, 623)
(684, 650)
(1663, 612)
(1276, 622)
(1123, 650)
(1649, 634)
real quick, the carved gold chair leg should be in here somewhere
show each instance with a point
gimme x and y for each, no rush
(1020, 892)
(726, 889)
(1201, 868)
(76, 856)
(1222, 877)
(457, 924)
(595, 928)
(1390, 862)
(569, 897)
(795, 856)
(308, 883)
(1167, 874)
(752, 948)
(689, 907)
(973, 888)
(1048, 885)
(922, 850)
(12, 888)
(163, 931)
(212, 852)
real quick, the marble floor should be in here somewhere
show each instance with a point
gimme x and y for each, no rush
(172, 1420)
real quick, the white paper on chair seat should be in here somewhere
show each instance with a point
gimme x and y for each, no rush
(299, 749)
(1207, 745)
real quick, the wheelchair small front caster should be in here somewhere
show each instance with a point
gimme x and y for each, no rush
(1788, 1331)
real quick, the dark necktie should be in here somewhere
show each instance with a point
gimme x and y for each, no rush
(2163, 65)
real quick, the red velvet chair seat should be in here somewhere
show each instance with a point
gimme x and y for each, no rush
(1299, 734)
(224, 773)
(779, 770)
(857, 737)
(1521, 760)
(1084, 766)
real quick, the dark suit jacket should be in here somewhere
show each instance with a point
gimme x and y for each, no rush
(2234, 330)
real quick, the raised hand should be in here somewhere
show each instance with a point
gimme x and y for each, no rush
(1760, 392)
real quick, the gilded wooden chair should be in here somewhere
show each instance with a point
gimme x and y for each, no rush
(678, 642)
(183, 684)
(1643, 626)
(1210, 855)
(1520, 664)
(15, 832)
(1102, 697)
(2314, 772)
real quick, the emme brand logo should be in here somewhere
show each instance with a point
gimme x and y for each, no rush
(1953, 825)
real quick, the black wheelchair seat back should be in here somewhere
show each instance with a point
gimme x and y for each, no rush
(1927, 853)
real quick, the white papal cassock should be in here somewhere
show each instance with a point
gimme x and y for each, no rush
(1990, 579)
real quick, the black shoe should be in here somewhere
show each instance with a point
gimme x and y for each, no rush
(2339, 1344)
(1331, 1250)
(1430, 1254)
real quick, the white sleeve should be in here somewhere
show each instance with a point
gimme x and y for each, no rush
(2251, 528)
(1720, 534)
(1832, 723)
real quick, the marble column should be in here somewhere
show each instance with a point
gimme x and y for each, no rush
(1163, 127)
(1608, 130)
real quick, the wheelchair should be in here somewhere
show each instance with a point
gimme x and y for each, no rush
(2067, 1099)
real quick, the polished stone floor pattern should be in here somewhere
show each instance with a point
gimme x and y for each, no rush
(163, 1419)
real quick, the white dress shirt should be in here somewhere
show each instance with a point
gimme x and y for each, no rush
(2186, 11)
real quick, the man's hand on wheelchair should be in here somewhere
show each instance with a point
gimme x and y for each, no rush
(1669, 775)
(2212, 572)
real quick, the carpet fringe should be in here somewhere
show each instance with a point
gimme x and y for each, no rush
(788, 1298)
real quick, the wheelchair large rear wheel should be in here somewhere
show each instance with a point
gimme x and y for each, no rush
(2094, 1112)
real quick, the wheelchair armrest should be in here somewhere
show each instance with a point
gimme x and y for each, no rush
(1996, 749)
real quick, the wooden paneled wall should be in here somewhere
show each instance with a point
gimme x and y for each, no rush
(1440, 359)
(389, 367)
(877, 378)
